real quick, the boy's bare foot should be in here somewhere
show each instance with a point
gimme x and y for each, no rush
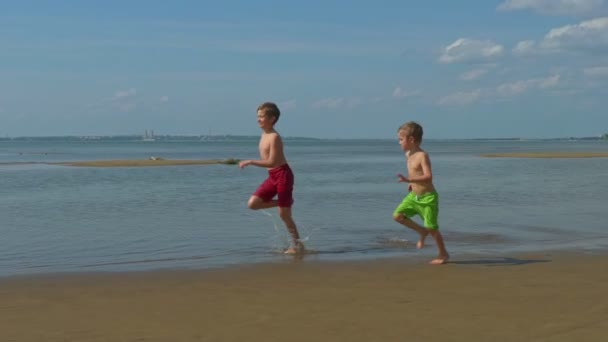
(297, 248)
(420, 242)
(440, 260)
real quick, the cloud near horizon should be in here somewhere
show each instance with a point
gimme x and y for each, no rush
(474, 74)
(461, 98)
(124, 94)
(125, 99)
(466, 50)
(589, 36)
(286, 105)
(556, 7)
(336, 102)
(519, 87)
(403, 93)
(599, 72)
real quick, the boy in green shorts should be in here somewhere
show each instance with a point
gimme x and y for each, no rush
(422, 199)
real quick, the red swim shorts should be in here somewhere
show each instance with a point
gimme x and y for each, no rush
(279, 182)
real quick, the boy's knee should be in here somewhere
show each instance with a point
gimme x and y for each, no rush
(284, 213)
(253, 203)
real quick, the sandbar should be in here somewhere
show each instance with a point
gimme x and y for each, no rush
(146, 162)
(546, 155)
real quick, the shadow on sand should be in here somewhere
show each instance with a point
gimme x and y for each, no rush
(506, 261)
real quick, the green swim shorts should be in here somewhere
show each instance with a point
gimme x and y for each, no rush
(426, 205)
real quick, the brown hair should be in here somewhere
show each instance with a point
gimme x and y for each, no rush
(270, 109)
(412, 129)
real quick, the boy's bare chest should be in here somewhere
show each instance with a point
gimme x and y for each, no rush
(264, 147)
(413, 164)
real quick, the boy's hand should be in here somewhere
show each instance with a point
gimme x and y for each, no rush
(244, 163)
(402, 179)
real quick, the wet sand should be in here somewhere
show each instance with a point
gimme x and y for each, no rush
(528, 298)
(547, 155)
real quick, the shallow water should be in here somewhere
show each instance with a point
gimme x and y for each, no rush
(71, 219)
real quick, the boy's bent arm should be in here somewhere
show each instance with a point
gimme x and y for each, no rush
(275, 151)
(427, 173)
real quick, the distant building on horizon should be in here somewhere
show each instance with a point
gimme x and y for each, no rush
(148, 136)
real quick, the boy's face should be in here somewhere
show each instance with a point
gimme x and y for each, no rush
(265, 121)
(405, 141)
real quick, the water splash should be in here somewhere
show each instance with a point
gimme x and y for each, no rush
(305, 232)
(276, 239)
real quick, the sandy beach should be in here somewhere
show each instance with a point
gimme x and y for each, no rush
(528, 298)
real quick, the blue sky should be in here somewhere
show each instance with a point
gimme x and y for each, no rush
(346, 69)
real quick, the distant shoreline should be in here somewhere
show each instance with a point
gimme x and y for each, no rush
(237, 138)
(546, 155)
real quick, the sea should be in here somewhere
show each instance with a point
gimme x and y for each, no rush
(63, 219)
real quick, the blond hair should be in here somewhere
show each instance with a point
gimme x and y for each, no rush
(412, 129)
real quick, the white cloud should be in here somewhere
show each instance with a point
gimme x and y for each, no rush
(555, 7)
(519, 87)
(460, 98)
(549, 82)
(336, 102)
(465, 50)
(587, 36)
(525, 47)
(290, 47)
(124, 94)
(127, 107)
(474, 74)
(164, 99)
(596, 71)
(125, 99)
(402, 93)
(290, 104)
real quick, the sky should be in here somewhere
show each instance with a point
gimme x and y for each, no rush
(337, 69)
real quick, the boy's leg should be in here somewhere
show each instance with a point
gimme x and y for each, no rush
(430, 214)
(443, 253)
(262, 197)
(402, 214)
(256, 203)
(401, 218)
(296, 245)
(284, 183)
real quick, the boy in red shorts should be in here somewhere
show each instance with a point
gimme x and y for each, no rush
(280, 178)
